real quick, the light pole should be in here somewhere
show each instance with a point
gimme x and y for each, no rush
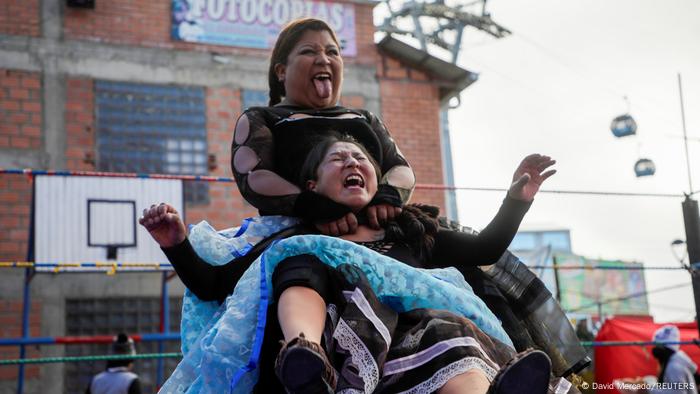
(691, 219)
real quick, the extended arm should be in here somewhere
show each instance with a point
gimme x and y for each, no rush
(458, 249)
(462, 250)
(207, 282)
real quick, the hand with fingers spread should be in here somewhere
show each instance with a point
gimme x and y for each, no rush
(529, 176)
(164, 224)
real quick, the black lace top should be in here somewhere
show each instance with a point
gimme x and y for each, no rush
(278, 139)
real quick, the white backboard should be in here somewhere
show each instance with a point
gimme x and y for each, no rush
(76, 218)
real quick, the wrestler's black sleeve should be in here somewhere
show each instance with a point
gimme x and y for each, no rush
(207, 282)
(459, 249)
(257, 138)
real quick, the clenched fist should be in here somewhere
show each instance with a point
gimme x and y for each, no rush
(164, 224)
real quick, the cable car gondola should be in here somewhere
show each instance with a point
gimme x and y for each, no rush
(644, 167)
(623, 126)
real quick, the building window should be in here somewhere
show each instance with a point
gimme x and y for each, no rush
(109, 316)
(153, 129)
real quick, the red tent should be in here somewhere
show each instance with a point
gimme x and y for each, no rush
(615, 362)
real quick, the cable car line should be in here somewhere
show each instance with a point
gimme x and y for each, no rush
(559, 59)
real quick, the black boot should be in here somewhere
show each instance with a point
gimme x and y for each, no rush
(527, 373)
(302, 367)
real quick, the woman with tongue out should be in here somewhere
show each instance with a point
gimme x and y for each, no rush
(270, 143)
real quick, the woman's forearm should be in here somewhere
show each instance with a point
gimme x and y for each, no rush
(206, 281)
(454, 248)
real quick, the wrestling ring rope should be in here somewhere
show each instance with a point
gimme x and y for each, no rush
(112, 268)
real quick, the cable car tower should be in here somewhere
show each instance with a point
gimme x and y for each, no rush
(438, 23)
(441, 24)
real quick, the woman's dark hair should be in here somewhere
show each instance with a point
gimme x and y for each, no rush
(122, 345)
(287, 39)
(417, 224)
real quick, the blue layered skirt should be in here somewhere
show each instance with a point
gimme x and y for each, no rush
(389, 328)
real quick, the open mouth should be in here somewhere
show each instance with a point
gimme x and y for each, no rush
(354, 180)
(323, 84)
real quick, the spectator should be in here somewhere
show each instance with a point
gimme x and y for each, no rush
(677, 372)
(117, 377)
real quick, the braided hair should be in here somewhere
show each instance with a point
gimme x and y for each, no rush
(416, 225)
(287, 39)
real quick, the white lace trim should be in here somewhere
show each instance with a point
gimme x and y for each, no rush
(350, 391)
(363, 305)
(332, 312)
(415, 360)
(361, 356)
(412, 340)
(441, 377)
(331, 322)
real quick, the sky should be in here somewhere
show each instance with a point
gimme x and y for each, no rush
(553, 87)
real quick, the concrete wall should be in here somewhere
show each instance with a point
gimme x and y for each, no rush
(50, 57)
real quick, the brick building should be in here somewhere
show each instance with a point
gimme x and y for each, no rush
(67, 76)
